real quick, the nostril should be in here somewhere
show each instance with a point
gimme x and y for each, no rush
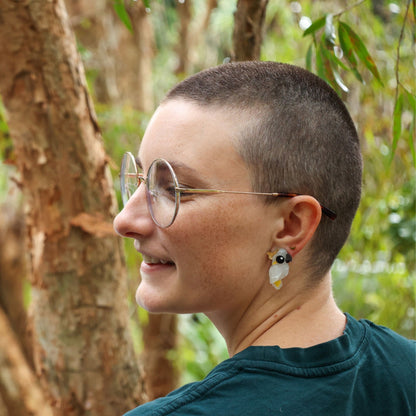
(130, 235)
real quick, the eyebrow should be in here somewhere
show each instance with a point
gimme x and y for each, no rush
(175, 165)
(181, 168)
(138, 162)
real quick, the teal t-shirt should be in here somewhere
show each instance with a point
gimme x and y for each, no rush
(369, 370)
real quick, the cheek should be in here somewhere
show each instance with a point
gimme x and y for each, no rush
(221, 244)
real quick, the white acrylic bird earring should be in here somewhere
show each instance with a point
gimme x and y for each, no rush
(279, 268)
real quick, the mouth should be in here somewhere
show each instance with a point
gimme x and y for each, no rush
(154, 260)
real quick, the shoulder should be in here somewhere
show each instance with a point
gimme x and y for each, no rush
(382, 350)
(368, 370)
(383, 341)
(195, 398)
(385, 370)
(241, 385)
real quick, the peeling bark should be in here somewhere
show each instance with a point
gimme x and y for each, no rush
(248, 29)
(83, 353)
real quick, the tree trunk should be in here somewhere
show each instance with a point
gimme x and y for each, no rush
(138, 63)
(82, 348)
(248, 29)
(185, 14)
(13, 274)
(20, 393)
(121, 60)
(97, 30)
(159, 338)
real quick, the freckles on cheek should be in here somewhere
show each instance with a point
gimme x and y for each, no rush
(205, 234)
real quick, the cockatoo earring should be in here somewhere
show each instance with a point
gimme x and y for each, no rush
(279, 268)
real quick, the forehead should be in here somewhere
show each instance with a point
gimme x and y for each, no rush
(202, 138)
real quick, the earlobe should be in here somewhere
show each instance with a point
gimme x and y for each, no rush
(301, 216)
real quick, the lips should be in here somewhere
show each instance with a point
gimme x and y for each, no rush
(154, 260)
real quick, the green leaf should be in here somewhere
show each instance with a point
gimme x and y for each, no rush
(361, 51)
(146, 4)
(348, 52)
(346, 46)
(316, 25)
(320, 62)
(338, 61)
(414, 8)
(412, 102)
(122, 14)
(339, 80)
(357, 75)
(335, 62)
(327, 67)
(309, 58)
(329, 29)
(397, 125)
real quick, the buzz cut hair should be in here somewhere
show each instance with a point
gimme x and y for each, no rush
(298, 138)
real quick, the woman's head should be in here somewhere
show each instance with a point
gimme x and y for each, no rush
(213, 257)
(294, 135)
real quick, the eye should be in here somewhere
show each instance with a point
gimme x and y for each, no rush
(163, 190)
(169, 191)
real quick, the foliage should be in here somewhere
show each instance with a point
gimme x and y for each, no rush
(121, 11)
(201, 347)
(374, 277)
(332, 57)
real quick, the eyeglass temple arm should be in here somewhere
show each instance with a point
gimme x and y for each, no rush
(329, 213)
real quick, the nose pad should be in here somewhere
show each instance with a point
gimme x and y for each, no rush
(134, 219)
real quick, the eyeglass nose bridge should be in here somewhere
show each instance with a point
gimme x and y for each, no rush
(141, 179)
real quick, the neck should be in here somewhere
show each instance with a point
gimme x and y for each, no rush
(303, 319)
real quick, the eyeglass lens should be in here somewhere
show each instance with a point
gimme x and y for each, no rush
(162, 200)
(128, 177)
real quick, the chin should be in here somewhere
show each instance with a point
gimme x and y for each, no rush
(149, 303)
(158, 303)
(154, 302)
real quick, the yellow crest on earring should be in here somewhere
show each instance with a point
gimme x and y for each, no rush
(270, 254)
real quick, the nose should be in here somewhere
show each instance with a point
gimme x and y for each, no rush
(134, 220)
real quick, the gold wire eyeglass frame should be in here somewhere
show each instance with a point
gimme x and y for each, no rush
(141, 178)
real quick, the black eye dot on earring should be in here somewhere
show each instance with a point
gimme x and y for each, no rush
(280, 259)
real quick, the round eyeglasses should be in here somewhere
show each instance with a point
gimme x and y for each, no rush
(163, 193)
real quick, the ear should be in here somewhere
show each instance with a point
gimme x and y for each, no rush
(299, 219)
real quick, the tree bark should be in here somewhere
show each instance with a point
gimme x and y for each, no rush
(159, 338)
(97, 29)
(184, 10)
(82, 347)
(20, 393)
(13, 270)
(138, 86)
(121, 60)
(248, 29)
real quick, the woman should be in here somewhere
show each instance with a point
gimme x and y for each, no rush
(251, 178)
